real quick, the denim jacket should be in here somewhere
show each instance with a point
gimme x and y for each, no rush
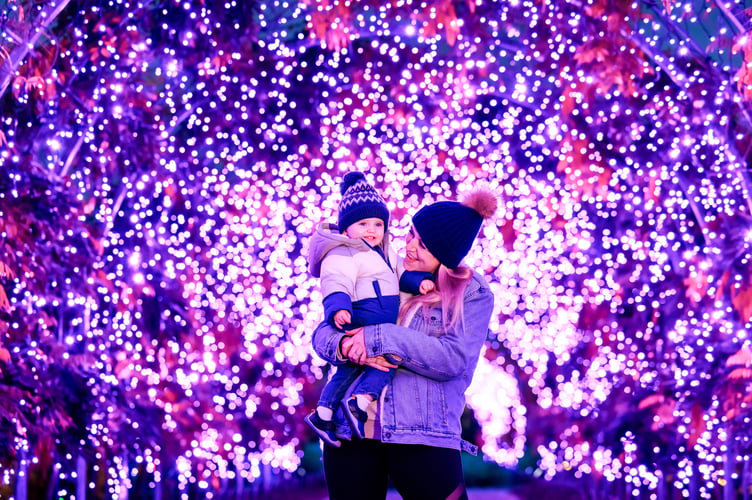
(425, 400)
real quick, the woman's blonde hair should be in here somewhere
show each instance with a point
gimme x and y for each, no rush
(449, 294)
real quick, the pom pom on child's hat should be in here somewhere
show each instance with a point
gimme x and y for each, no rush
(359, 201)
(448, 228)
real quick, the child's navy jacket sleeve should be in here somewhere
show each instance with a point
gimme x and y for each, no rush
(410, 281)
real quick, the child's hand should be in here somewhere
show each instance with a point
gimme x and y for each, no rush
(342, 317)
(427, 286)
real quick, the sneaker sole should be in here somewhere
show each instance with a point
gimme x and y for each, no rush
(354, 422)
(321, 434)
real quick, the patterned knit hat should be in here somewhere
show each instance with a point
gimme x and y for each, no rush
(448, 228)
(359, 201)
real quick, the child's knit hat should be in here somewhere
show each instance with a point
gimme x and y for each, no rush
(359, 201)
(448, 228)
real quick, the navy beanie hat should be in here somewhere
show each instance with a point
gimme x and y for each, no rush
(448, 228)
(359, 201)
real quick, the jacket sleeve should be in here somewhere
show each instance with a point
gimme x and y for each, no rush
(338, 274)
(326, 341)
(334, 302)
(439, 358)
(410, 281)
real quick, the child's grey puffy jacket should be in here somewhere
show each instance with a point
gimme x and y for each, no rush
(355, 277)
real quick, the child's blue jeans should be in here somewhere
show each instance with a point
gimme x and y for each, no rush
(372, 381)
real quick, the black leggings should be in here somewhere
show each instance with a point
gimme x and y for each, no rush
(360, 470)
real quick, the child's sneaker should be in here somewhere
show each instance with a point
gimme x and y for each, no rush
(324, 428)
(357, 417)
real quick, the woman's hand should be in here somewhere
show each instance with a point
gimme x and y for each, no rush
(380, 363)
(354, 346)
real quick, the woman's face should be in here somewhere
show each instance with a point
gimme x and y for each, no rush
(417, 256)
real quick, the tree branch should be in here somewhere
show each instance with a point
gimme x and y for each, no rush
(730, 16)
(19, 53)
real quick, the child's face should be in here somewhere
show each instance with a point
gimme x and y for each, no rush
(371, 230)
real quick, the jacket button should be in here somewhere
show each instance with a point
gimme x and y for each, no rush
(388, 435)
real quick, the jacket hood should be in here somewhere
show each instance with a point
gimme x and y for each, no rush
(327, 237)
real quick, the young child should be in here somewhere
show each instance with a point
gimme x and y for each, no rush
(360, 285)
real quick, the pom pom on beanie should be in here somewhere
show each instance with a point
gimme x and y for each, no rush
(482, 201)
(448, 228)
(350, 179)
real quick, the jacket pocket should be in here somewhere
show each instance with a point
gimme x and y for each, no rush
(435, 325)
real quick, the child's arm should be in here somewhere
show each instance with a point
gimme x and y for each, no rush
(413, 282)
(338, 275)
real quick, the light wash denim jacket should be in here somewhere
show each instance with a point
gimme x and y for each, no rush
(425, 400)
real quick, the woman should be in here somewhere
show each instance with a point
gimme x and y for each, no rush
(416, 436)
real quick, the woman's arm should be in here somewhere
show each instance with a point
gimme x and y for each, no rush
(326, 340)
(440, 358)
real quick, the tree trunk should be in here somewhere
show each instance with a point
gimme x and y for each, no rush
(238, 481)
(123, 472)
(729, 464)
(694, 482)
(22, 478)
(628, 490)
(81, 477)
(661, 486)
(158, 485)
